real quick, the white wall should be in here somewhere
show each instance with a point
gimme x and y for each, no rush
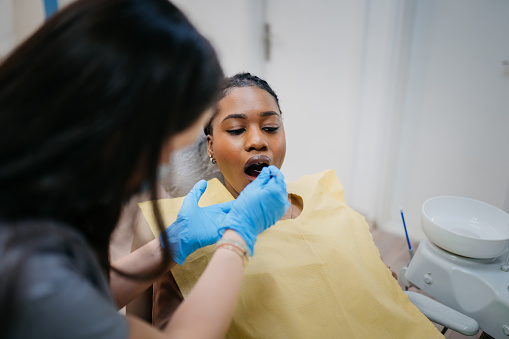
(18, 19)
(315, 66)
(378, 114)
(454, 136)
(7, 37)
(233, 28)
(28, 15)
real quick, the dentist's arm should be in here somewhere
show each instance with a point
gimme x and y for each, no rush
(144, 261)
(207, 311)
(194, 228)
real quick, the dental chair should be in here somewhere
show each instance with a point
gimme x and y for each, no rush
(187, 167)
(192, 164)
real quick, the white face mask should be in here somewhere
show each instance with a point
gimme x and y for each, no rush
(162, 171)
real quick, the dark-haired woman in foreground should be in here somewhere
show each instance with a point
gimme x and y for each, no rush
(91, 106)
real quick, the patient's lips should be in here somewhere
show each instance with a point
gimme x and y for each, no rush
(255, 165)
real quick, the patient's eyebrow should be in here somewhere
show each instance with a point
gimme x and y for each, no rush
(243, 116)
(269, 113)
(235, 116)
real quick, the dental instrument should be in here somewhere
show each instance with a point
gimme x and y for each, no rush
(410, 250)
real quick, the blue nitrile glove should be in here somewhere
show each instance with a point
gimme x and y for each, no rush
(195, 226)
(263, 202)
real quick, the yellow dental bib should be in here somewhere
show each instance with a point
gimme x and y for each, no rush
(317, 276)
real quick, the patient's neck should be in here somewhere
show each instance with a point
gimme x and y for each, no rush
(296, 206)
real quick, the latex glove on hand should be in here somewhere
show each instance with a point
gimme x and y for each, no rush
(260, 205)
(195, 226)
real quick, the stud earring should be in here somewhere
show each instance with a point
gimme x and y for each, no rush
(212, 160)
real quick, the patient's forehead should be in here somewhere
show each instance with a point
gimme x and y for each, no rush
(246, 100)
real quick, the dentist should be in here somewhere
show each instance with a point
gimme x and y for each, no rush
(91, 106)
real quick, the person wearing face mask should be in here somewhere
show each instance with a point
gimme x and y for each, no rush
(317, 272)
(91, 107)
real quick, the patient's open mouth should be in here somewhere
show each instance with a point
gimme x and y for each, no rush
(255, 165)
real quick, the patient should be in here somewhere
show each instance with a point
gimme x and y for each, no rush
(316, 273)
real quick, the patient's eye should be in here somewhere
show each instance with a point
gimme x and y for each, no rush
(237, 131)
(270, 129)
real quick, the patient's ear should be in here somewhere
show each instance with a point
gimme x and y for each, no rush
(210, 142)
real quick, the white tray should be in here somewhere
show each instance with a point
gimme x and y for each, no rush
(465, 226)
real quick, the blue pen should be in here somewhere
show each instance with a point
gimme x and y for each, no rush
(50, 7)
(410, 250)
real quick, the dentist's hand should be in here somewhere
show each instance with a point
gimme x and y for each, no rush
(259, 206)
(195, 226)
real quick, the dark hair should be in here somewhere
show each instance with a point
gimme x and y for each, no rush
(85, 105)
(236, 81)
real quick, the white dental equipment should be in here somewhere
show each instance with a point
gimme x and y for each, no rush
(464, 265)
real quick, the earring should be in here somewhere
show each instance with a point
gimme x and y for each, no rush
(212, 160)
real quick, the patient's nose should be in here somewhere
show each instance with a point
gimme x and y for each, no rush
(255, 140)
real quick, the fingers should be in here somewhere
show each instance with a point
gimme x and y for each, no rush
(277, 180)
(195, 194)
(277, 187)
(226, 206)
(278, 176)
(270, 177)
(274, 171)
(264, 176)
(198, 190)
(267, 174)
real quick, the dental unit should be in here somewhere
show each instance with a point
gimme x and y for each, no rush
(464, 265)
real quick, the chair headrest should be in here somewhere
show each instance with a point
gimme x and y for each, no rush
(187, 167)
